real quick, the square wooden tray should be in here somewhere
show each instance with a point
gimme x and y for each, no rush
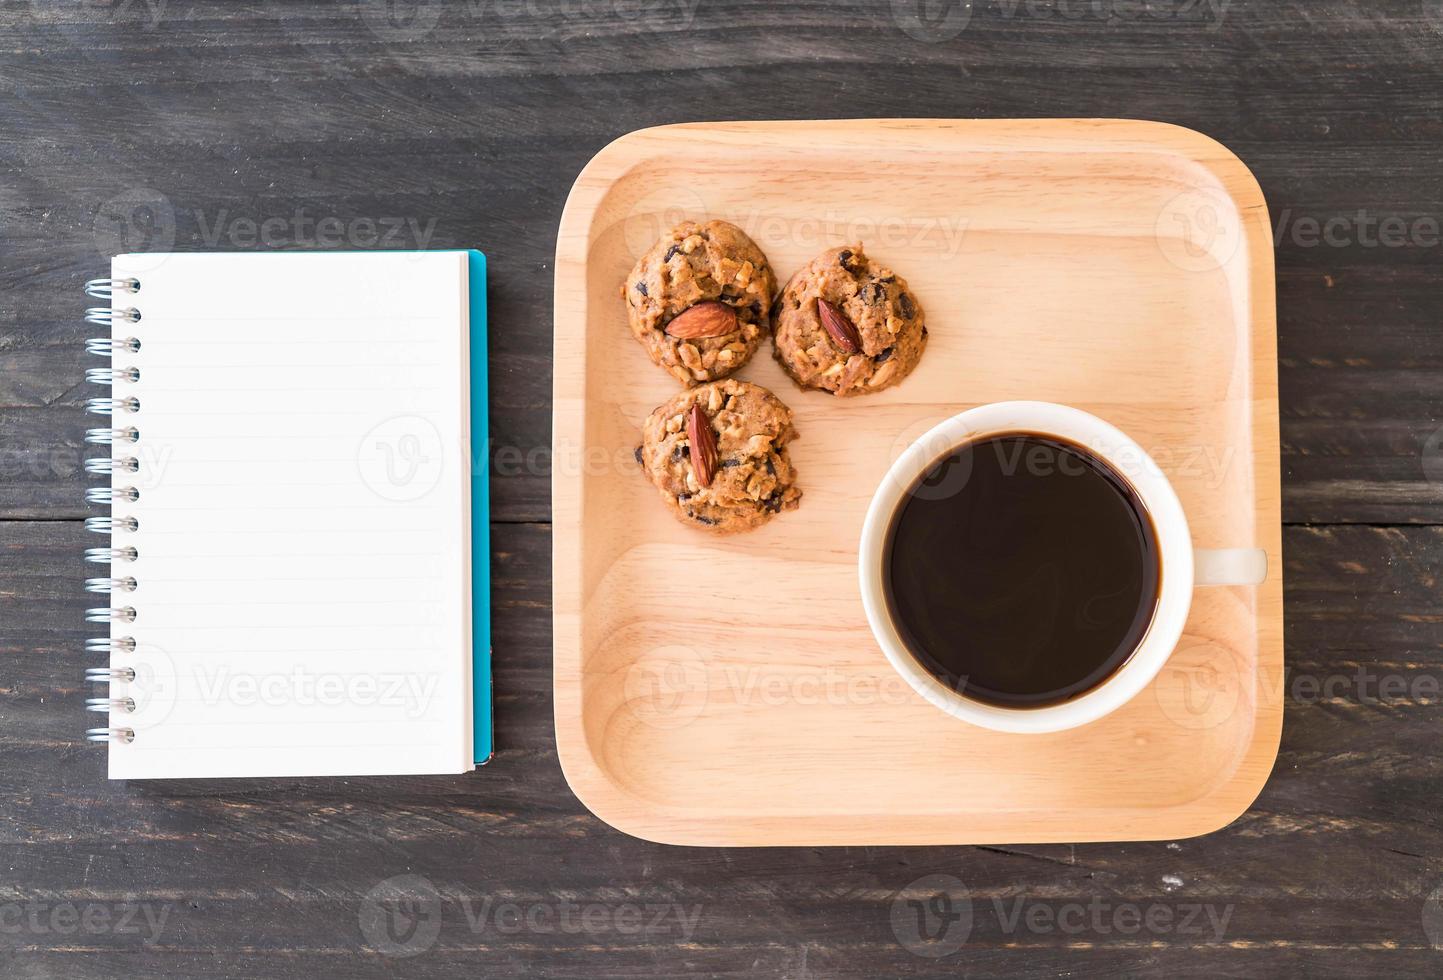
(727, 691)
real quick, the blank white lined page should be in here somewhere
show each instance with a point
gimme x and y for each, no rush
(302, 601)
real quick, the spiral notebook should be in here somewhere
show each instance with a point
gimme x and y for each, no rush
(296, 522)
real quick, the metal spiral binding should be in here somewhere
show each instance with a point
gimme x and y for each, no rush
(126, 583)
(109, 437)
(106, 288)
(107, 525)
(110, 376)
(108, 556)
(117, 404)
(108, 705)
(121, 464)
(103, 675)
(104, 644)
(122, 735)
(106, 346)
(110, 406)
(108, 495)
(106, 316)
(110, 614)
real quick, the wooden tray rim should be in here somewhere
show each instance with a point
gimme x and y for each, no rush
(652, 821)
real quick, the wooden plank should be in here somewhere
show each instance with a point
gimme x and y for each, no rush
(339, 121)
(1329, 871)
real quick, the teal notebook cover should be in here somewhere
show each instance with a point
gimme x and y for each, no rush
(480, 516)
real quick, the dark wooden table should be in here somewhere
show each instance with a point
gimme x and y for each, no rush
(139, 124)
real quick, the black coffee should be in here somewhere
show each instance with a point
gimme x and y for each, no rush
(1021, 570)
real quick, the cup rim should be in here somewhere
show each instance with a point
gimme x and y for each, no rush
(1127, 459)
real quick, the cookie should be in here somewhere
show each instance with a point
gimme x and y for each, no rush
(717, 455)
(848, 325)
(700, 300)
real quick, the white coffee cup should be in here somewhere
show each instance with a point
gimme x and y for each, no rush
(1183, 566)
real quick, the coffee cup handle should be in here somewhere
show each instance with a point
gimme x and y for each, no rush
(1229, 566)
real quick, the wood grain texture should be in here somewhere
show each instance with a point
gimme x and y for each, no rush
(218, 113)
(236, 112)
(1328, 871)
(1047, 254)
